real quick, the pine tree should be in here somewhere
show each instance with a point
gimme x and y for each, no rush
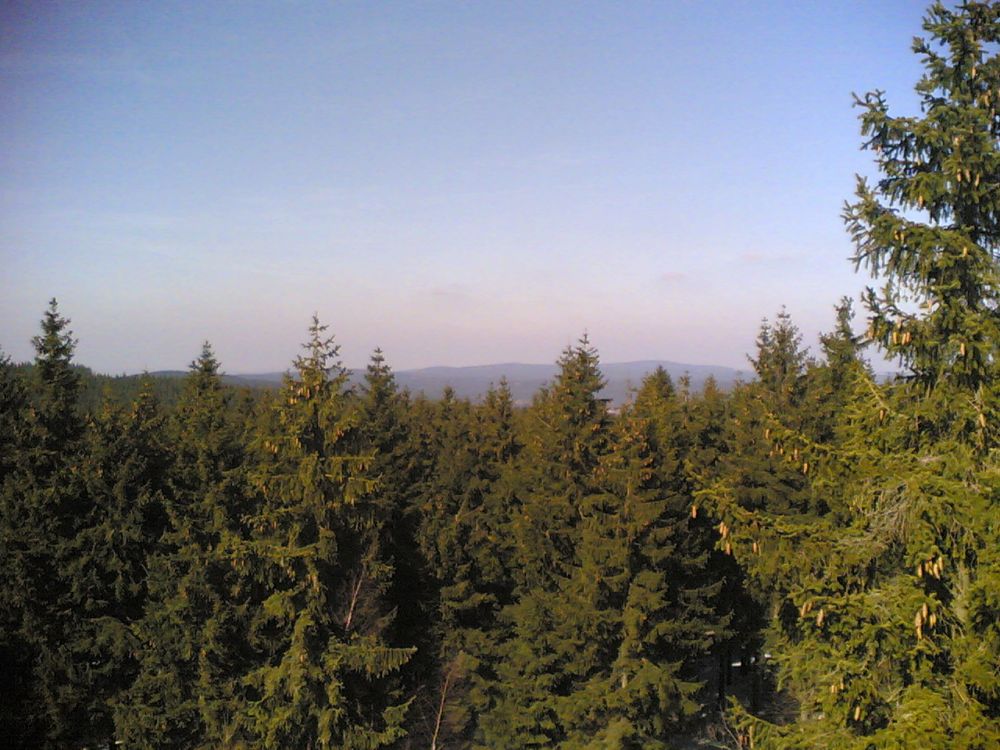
(13, 402)
(462, 535)
(318, 624)
(387, 429)
(644, 598)
(828, 381)
(761, 475)
(568, 434)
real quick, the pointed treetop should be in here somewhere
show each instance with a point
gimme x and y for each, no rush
(929, 228)
(780, 357)
(322, 358)
(580, 365)
(378, 375)
(659, 380)
(841, 345)
(206, 363)
(56, 343)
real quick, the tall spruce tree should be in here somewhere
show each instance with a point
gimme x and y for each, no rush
(15, 655)
(44, 506)
(544, 656)
(760, 477)
(888, 631)
(644, 603)
(189, 632)
(443, 504)
(387, 429)
(463, 539)
(319, 620)
(761, 474)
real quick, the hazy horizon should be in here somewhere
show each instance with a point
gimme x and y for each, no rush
(455, 183)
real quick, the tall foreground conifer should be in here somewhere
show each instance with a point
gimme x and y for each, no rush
(641, 597)
(541, 662)
(189, 630)
(318, 615)
(43, 508)
(887, 634)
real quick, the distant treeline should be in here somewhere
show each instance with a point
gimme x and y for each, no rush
(96, 389)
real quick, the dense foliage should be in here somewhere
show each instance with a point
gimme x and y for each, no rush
(811, 560)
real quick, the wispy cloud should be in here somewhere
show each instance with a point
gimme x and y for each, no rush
(673, 277)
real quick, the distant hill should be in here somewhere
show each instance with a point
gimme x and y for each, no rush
(524, 379)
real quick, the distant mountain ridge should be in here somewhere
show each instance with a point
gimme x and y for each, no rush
(524, 379)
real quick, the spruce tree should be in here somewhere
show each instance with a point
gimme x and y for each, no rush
(125, 474)
(828, 381)
(189, 632)
(644, 601)
(387, 430)
(887, 633)
(462, 535)
(13, 402)
(318, 619)
(15, 655)
(544, 657)
(43, 509)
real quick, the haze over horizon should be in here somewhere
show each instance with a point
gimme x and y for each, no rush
(458, 184)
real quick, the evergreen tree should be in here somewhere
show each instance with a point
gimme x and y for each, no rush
(15, 661)
(643, 594)
(543, 658)
(462, 535)
(386, 426)
(761, 475)
(43, 507)
(829, 381)
(124, 482)
(318, 623)
(182, 696)
(13, 402)
(887, 632)
(568, 435)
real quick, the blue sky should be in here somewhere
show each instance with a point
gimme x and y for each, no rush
(458, 183)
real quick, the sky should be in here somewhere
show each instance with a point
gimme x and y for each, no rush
(457, 183)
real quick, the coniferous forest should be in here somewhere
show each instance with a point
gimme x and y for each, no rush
(809, 560)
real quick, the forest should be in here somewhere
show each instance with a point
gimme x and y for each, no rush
(810, 559)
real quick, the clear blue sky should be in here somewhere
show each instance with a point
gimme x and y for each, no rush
(458, 183)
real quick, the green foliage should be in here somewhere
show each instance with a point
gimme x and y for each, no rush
(188, 631)
(15, 656)
(545, 654)
(318, 615)
(322, 568)
(43, 509)
(929, 225)
(885, 631)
